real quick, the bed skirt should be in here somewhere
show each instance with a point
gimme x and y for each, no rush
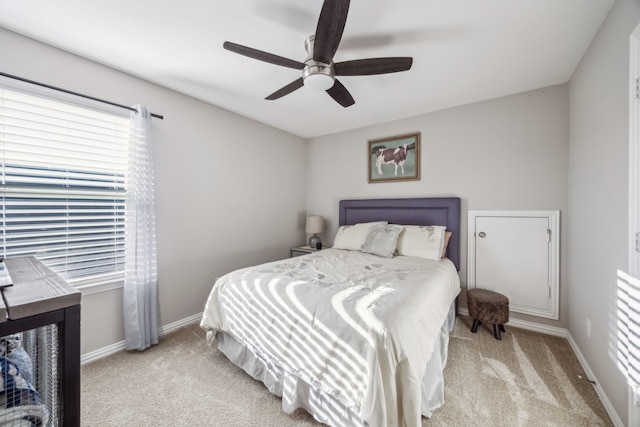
(297, 393)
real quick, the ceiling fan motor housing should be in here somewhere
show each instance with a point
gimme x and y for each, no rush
(316, 75)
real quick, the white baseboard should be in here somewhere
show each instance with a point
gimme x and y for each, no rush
(530, 326)
(561, 332)
(180, 323)
(615, 418)
(100, 353)
(94, 355)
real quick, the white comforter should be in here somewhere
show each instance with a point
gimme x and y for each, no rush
(359, 327)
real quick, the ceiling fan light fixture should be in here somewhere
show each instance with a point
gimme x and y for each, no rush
(318, 81)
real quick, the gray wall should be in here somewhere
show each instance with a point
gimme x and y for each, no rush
(222, 199)
(598, 168)
(505, 153)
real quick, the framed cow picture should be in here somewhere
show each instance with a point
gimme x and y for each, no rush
(394, 159)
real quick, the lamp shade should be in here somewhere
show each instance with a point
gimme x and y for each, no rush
(315, 224)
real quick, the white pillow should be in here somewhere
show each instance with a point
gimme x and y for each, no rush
(422, 241)
(352, 237)
(382, 240)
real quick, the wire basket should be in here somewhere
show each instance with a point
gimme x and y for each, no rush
(30, 369)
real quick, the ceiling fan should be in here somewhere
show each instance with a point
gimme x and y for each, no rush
(318, 70)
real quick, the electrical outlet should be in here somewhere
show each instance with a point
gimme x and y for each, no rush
(588, 328)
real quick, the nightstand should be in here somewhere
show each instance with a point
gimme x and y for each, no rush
(302, 250)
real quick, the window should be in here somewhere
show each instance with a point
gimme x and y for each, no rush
(63, 170)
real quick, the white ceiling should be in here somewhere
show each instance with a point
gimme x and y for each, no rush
(464, 50)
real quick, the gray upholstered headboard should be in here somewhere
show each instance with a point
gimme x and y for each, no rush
(419, 211)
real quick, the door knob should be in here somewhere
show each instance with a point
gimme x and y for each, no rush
(482, 234)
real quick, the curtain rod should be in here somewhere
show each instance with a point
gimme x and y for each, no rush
(22, 79)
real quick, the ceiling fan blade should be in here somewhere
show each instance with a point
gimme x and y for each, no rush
(263, 56)
(367, 67)
(294, 85)
(331, 23)
(340, 94)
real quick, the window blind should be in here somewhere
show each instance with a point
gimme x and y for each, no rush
(63, 170)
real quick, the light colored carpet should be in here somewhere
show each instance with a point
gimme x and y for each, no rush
(527, 379)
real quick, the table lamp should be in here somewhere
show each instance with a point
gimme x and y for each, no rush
(315, 225)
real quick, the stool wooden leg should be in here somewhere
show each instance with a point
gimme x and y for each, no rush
(496, 331)
(502, 328)
(474, 327)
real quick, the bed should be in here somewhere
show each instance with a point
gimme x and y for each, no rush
(355, 336)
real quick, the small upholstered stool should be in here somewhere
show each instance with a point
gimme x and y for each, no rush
(488, 306)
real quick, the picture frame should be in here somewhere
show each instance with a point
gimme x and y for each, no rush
(395, 158)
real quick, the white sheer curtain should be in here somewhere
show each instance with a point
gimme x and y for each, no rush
(141, 278)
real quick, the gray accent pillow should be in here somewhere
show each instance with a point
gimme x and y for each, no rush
(382, 240)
